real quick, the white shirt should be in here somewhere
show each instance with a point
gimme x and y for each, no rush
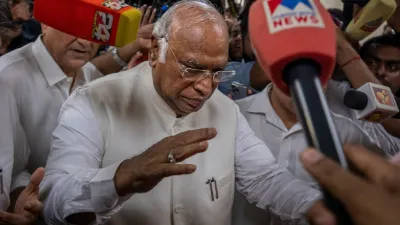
(286, 146)
(77, 180)
(334, 95)
(35, 88)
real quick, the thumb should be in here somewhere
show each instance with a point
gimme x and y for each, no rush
(36, 178)
(396, 159)
(133, 62)
(318, 214)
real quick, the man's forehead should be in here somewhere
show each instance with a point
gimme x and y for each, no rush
(386, 52)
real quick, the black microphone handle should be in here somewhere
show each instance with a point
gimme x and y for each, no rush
(312, 109)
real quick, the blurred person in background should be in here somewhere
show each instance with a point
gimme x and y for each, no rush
(229, 18)
(382, 55)
(357, 73)
(31, 30)
(394, 20)
(235, 43)
(248, 72)
(12, 15)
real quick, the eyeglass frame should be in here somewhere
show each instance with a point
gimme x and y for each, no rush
(206, 72)
(11, 24)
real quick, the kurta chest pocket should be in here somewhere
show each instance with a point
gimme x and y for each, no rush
(220, 188)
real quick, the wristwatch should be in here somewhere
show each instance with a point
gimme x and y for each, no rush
(118, 59)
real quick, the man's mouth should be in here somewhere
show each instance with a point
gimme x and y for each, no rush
(79, 51)
(194, 103)
(238, 46)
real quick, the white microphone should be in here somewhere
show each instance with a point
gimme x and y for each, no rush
(372, 102)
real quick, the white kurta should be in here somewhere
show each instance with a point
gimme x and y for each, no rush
(35, 88)
(122, 115)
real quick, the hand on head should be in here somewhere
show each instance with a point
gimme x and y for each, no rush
(372, 200)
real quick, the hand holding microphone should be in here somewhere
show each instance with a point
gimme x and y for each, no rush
(371, 200)
(372, 102)
(370, 18)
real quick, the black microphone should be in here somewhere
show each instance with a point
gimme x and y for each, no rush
(354, 99)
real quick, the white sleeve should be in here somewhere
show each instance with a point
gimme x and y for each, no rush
(74, 181)
(264, 182)
(8, 111)
(91, 72)
(387, 142)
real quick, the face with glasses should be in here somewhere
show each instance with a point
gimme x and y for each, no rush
(20, 13)
(384, 62)
(194, 65)
(10, 30)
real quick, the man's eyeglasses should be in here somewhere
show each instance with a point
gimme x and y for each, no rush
(12, 24)
(197, 74)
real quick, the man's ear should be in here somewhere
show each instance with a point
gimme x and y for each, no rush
(154, 51)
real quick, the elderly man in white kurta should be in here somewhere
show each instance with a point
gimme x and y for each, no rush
(158, 145)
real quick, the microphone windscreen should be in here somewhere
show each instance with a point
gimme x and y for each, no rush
(355, 100)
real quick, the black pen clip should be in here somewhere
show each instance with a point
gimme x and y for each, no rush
(216, 187)
(209, 182)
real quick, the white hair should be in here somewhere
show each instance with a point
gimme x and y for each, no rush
(164, 26)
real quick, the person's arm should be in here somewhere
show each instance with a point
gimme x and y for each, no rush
(75, 188)
(356, 71)
(107, 65)
(7, 114)
(264, 182)
(389, 143)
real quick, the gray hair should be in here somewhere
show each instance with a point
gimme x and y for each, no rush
(164, 26)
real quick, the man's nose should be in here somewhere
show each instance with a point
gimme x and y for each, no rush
(205, 85)
(381, 70)
(84, 43)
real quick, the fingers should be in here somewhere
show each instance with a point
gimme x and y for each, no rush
(34, 207)
(12, 219)
(376, 168)
(36, 178)
(330, 175)
(153, 16)
(143, 10)
(190, 137)
(185, 152)
(146, 16)
(169, 169)
(396, 159)
(320, 215)
(133, 62)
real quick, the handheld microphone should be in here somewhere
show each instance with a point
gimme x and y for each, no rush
(108, 22)
(370, 18)
(283, 34)
(372, 102)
